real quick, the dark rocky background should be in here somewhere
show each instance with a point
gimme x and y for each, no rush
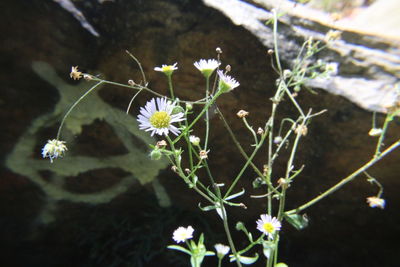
(132, 230)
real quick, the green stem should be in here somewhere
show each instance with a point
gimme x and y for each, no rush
(207, 115)
(241, 150)
(209, 103)
(226, 228)
(389, 118)
(182, 174)
(251, 130)
(345, 180)
(74, 105)
(245, 165)
(289, 168)
(278, 63)
(171, 88)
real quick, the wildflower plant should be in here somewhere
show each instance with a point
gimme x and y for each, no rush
(174, 121)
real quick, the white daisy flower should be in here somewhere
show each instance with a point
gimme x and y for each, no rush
(268, 225)
(159, 118)
(376, 202)
(226, 82)
(54, 149)
(182, 234)
(206, 66)
(167, 69)
(332, 68)
(194, 140)
(222, 250)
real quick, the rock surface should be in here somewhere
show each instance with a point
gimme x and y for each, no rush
(369, 64)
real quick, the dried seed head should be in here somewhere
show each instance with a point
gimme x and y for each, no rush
(203, 154)
(284, 183)
(161, 144)
(301, 129)
(376, 202)
(265, 169)
(242, 113)
(75, 74)
(174, 168)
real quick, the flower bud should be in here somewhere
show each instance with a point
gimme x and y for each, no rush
(155, 154)
(189, 106)
(278, 139)
(177, 109)
(194, 140)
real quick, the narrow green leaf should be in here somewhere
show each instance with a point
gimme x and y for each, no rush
(236, 195)
(244, 259)
(179, 248)
(297, 221)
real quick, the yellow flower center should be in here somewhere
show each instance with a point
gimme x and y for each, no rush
(160, 119)
(167, 68)
(268, 227)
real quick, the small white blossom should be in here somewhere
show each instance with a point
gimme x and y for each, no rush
(375, 132)
(159, 118)
(167, 69)
(54, 149)
(182, 234)
(376, 202)
(207, 67)
(222, 250)
(278, 139)
(194, 140)
(268, 225)
(226, 82)
(332, 68)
